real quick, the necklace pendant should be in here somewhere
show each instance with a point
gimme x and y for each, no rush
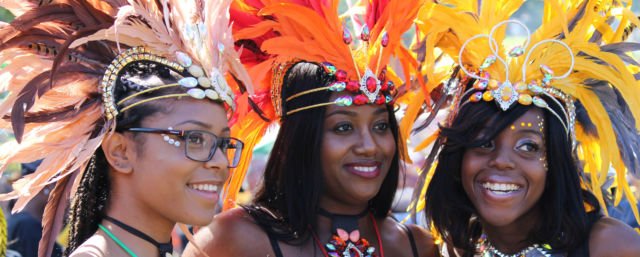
(345, 244)
(351, 251)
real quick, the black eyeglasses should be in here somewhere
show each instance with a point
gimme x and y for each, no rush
(201, 145)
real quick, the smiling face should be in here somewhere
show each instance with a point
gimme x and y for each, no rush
(505, 177)
(357, 149)
(164, 179)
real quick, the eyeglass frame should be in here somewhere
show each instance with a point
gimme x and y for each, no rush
(182, 135)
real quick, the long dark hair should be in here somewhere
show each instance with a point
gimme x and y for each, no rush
(564, 224)
(293, 181)
(91, 200)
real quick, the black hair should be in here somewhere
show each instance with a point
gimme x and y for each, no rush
(564, 224)
(293, 178)
(91, 200)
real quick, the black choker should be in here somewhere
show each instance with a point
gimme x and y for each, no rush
(344, 221)
(163, 248)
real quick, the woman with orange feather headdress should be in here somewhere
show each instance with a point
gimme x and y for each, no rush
(519, 166)
(332, 174)
(127, 103)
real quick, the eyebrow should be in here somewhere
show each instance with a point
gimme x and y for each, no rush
(195, 122)
(203, 125)
(353, 114)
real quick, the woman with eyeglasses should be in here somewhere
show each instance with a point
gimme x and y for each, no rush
(131, 120)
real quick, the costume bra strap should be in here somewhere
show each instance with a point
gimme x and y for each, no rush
(163, 248)
(412, 240)
(274, 244)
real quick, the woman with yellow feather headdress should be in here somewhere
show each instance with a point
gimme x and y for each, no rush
(127, 103)
(332, 174)
(520, 162)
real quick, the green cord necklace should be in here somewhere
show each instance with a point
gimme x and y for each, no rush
(164, 249)
(115, 239)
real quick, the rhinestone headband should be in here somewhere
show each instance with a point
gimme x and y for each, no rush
(505, 94)
(195, 81)
(368, 89)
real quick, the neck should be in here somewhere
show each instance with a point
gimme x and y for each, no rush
(142, 218)
(514, 237)
(343, 208)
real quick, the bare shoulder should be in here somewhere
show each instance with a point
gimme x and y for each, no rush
(611, 237)
(95, 246)
(396, 233)
(424, 241)
(228, 235)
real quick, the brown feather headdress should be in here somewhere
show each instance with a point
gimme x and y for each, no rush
(63, 58)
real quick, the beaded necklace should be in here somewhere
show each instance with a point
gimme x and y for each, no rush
(349, 244)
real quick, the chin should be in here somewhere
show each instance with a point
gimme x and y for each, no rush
(365, 194)
(199, 215)
(497, 218)
(200, 218)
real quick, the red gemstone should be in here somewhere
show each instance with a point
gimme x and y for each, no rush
(353, 86)
(365, 35)
(360, 100)
(371, 84)
(385, 40)
(346, 35)
(384, 87)
(380, 100)
(341, 75)
(383, 74)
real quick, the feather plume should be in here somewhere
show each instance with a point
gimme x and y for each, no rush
(52, 218)
(603, 80)
(274, 32)
(58, 51)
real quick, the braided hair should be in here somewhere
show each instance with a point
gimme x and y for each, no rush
(90, 203)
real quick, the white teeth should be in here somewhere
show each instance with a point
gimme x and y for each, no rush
(364, 168)
(204, 187)
(500, 187)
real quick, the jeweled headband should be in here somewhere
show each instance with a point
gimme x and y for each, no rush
(506, 93)
(195, 81)
(367, 89)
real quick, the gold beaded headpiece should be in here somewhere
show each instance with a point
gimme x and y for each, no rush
(196, 83)
(507, 93)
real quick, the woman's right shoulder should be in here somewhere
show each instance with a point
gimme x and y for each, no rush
(610, 237)
(228, 235)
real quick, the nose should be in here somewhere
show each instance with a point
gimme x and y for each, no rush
(501, 160)
(219, 164)
(367, 145)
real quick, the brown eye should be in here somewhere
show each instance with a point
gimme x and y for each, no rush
(342, 128)
(225, 143)
(382, 126)
(195, 138)
(488, 145)
(528, 146)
